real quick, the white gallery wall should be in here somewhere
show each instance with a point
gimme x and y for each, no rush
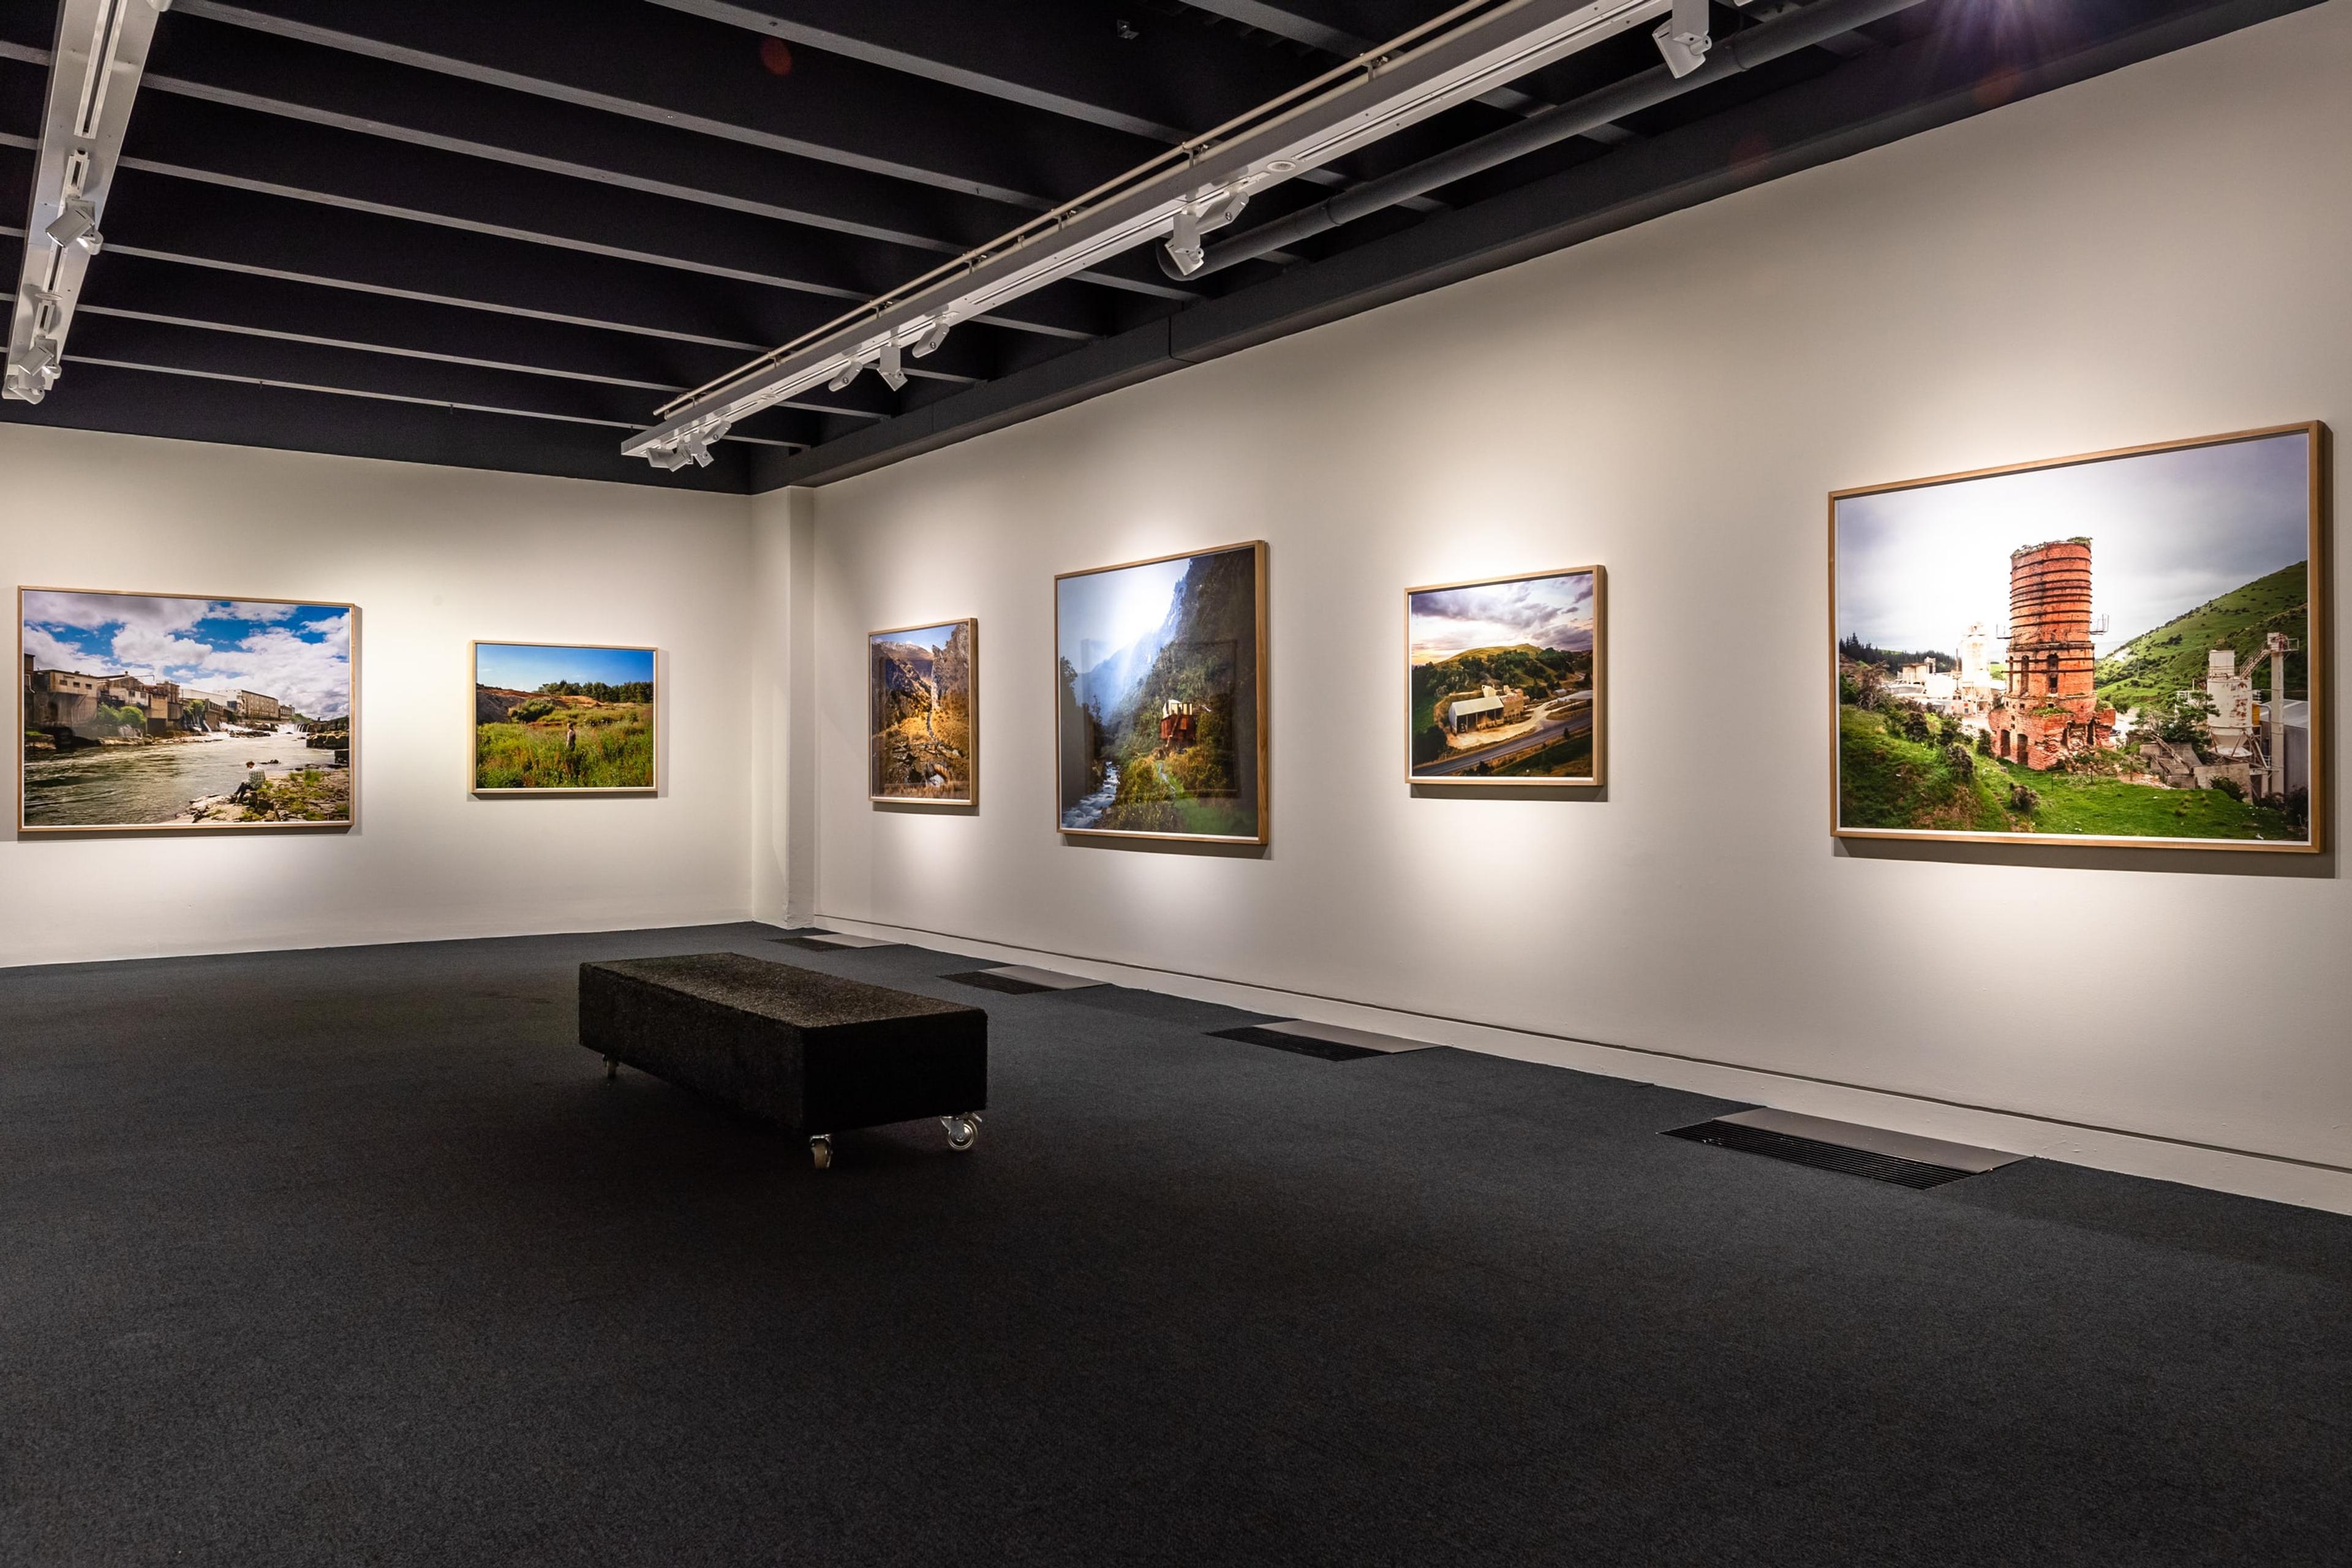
(433, 558)
(2159, 253)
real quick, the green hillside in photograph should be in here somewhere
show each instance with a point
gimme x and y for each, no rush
(2156, 664)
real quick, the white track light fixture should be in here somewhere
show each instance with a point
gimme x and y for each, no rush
(1189, 223)
(893, 376)
(94, 69)
(1685, 37)
(76, 225)
(1469, 51)
(1184, 247)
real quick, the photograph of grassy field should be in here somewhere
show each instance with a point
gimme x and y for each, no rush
(2118, 648)
(556, 719)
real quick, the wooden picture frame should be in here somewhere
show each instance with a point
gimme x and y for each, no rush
(876, 791)
(216, 800)
(2071, 730)
(1251, 751)
(658, 703)
(1460, 771)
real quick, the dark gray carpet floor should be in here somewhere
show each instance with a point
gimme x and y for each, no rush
(352, 1257)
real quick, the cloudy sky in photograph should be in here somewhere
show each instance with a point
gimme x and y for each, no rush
(300, 654)
(2168, 530)
(1544, 612)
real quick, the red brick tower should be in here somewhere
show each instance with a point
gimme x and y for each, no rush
(2050, 708)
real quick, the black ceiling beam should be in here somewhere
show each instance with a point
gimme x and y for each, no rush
(301, 82)
(1157, 76)
(1344, 35)
(240, 236)
(167, 214)
(1932, 80)
(332, 251)
(655, 369)
(360, 370)
(219, 145)
(145, 403)
(633, 60)
(122, 338)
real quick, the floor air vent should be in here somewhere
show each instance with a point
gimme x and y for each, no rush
(1843, 1146)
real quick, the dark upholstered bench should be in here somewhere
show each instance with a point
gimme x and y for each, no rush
(812, 1053)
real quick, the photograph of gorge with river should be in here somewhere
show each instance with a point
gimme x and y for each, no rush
(1159, 717)
(172, 712)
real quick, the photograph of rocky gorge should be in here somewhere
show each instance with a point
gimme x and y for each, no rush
(920, 692)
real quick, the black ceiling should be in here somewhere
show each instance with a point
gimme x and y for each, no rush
(499, 235)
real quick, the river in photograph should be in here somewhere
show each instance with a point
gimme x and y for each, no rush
(1089, 811)
(116, 786)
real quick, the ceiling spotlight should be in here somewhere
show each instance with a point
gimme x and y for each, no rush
(932, 339)
(76, 223)
(892, 376)
(1184, 242)
(1684, 39)
(845, 375)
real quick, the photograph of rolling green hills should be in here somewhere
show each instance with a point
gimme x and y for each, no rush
(1159, 722)
(2114, 649)
(1500, 681)
(552, 719)
(920, 687)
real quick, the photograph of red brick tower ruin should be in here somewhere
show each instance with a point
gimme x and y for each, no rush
(2050, 709)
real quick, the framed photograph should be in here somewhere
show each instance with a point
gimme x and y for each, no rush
(179, 712)
(1505, 681)
(2129, 648)
(564, 719)
(1159, 698)
(923, 733)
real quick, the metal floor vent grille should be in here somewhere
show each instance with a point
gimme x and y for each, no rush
(1304, 1045)
(1819, 1155)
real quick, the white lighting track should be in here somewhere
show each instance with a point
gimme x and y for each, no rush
(1179, 196)
(94, 71)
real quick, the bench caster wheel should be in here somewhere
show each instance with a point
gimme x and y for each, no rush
(821, 1152)
(963, 1132)
(612, 1069)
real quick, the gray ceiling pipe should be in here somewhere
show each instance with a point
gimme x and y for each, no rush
(1742, 50)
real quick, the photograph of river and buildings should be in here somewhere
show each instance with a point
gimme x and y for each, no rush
(1502, 680)
(920, 697)
(158, 711)
(2118, 648)
(1160, 705)
(557, 719)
